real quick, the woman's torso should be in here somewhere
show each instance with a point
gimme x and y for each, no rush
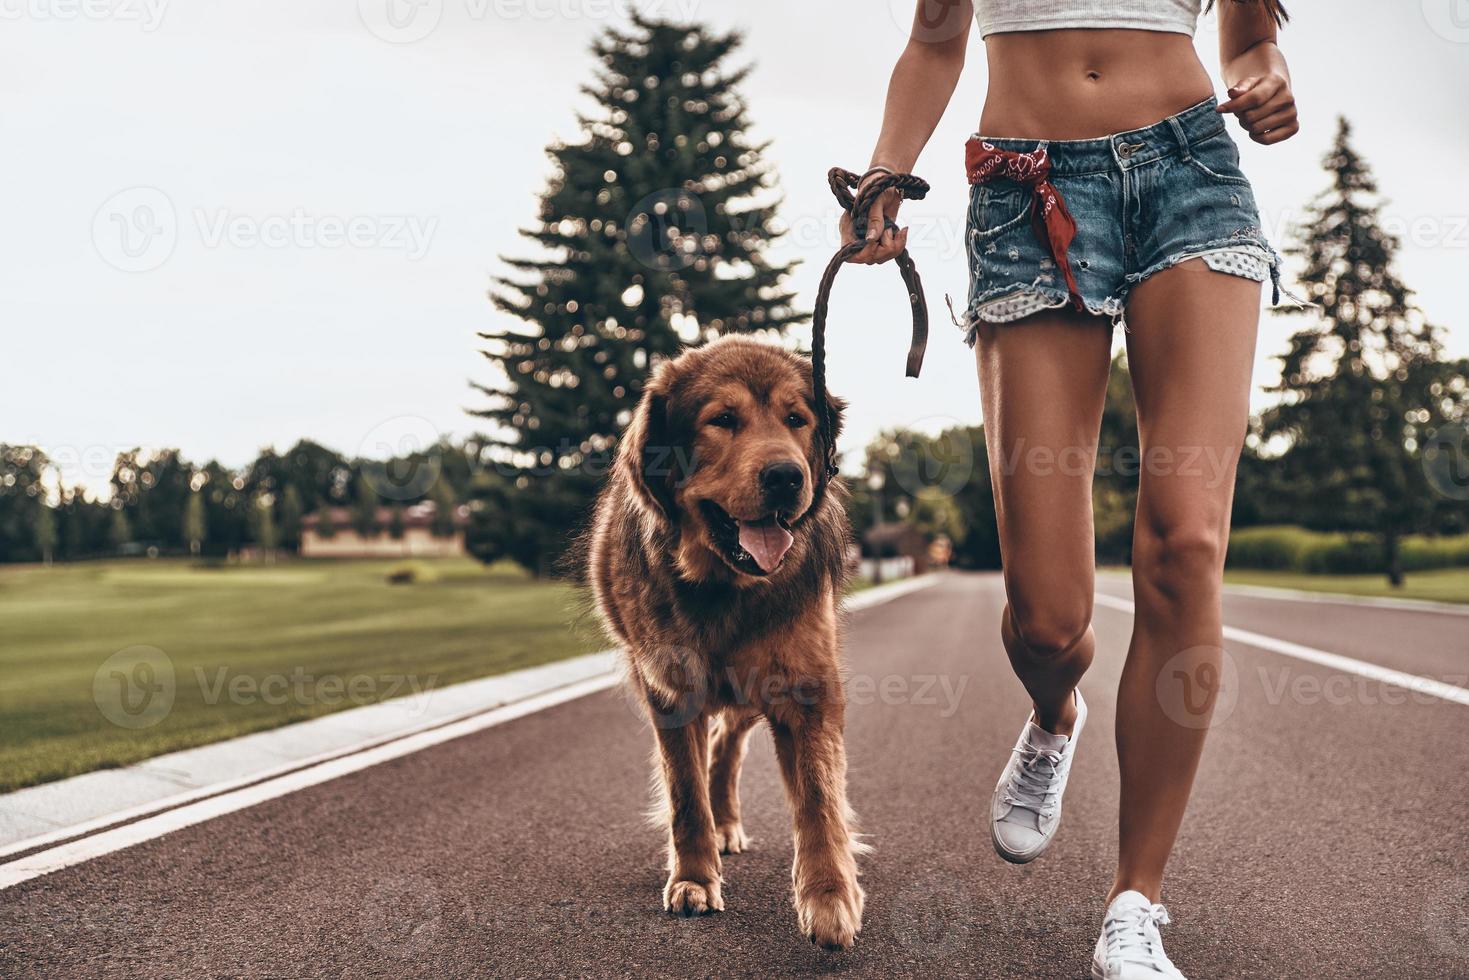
(1082, 83)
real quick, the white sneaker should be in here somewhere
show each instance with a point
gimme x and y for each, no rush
(1130, 947)
(1026, 807)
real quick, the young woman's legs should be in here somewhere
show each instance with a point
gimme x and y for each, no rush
(1043, 382)
(1190, 352)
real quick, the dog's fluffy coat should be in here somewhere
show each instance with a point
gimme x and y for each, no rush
(715, 643)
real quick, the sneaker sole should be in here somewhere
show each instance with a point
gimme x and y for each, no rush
(1098, 973)
(1011, 856)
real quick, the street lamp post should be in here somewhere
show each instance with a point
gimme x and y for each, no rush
(874, 483)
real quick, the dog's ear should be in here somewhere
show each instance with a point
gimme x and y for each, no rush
(646, 454)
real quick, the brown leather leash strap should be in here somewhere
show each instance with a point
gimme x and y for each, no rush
(843, 182)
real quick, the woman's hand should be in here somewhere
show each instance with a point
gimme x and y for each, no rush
(884, 242)
(1265, 107)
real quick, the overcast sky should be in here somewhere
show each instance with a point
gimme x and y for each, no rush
(229, 225)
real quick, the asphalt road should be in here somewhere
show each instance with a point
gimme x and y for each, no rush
(1326, 836)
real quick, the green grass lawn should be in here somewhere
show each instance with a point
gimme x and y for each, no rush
(249, 648)
(1442, 585)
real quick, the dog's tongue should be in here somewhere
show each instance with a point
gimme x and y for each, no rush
(766, 541)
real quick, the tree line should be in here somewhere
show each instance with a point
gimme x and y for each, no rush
(653, 233)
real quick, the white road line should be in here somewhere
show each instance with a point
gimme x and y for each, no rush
(109, 841)
(1335, 661)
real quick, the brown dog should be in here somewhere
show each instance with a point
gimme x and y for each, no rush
(717, 557)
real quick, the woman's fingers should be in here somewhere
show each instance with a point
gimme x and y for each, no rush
(1281, 103)
(876, 218)
(1277, 118)
(1275, 135)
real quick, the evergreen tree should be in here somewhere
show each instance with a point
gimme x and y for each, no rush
(45, 531)
(653, 232)
(262, 523)
(442, 496)
(292, 511)
(120, 533)
(1363, 384)
(396, 525)
(326, 527)
(364, 508)
(196, 526)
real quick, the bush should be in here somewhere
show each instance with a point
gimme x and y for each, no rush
(411, 573)
(1296, 549)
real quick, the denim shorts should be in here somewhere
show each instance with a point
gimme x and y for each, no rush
(1142, 201)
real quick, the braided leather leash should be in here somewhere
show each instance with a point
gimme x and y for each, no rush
(843, 182)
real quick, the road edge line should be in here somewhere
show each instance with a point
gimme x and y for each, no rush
(114, 832)
(1298, 651)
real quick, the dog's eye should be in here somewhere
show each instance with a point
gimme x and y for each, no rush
(724, 420)
(796, 420)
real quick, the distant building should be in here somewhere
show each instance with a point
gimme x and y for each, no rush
(417, 541)
(894, 550)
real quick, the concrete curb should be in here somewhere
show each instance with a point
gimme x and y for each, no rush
(40, 816)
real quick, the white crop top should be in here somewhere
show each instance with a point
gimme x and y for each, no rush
(1001, 16)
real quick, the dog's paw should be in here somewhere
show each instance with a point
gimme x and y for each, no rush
(832, 918)
(682, 897)
(731, 838)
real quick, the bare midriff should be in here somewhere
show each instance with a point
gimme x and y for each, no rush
(1083, 83)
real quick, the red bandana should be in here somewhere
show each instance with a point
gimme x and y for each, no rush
(985, 161)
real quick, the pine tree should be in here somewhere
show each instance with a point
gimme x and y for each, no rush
(45, 532)
(653, 232)
(195, 524)
(1363, 383)
(292, 511)
(364, 509)
(120, 533)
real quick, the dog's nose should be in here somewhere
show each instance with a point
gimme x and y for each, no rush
(781, 481)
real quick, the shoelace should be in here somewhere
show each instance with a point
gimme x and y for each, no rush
(1133, 936)
(1034, 785)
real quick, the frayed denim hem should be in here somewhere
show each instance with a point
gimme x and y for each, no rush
(1218, 247)
(1015, 301)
